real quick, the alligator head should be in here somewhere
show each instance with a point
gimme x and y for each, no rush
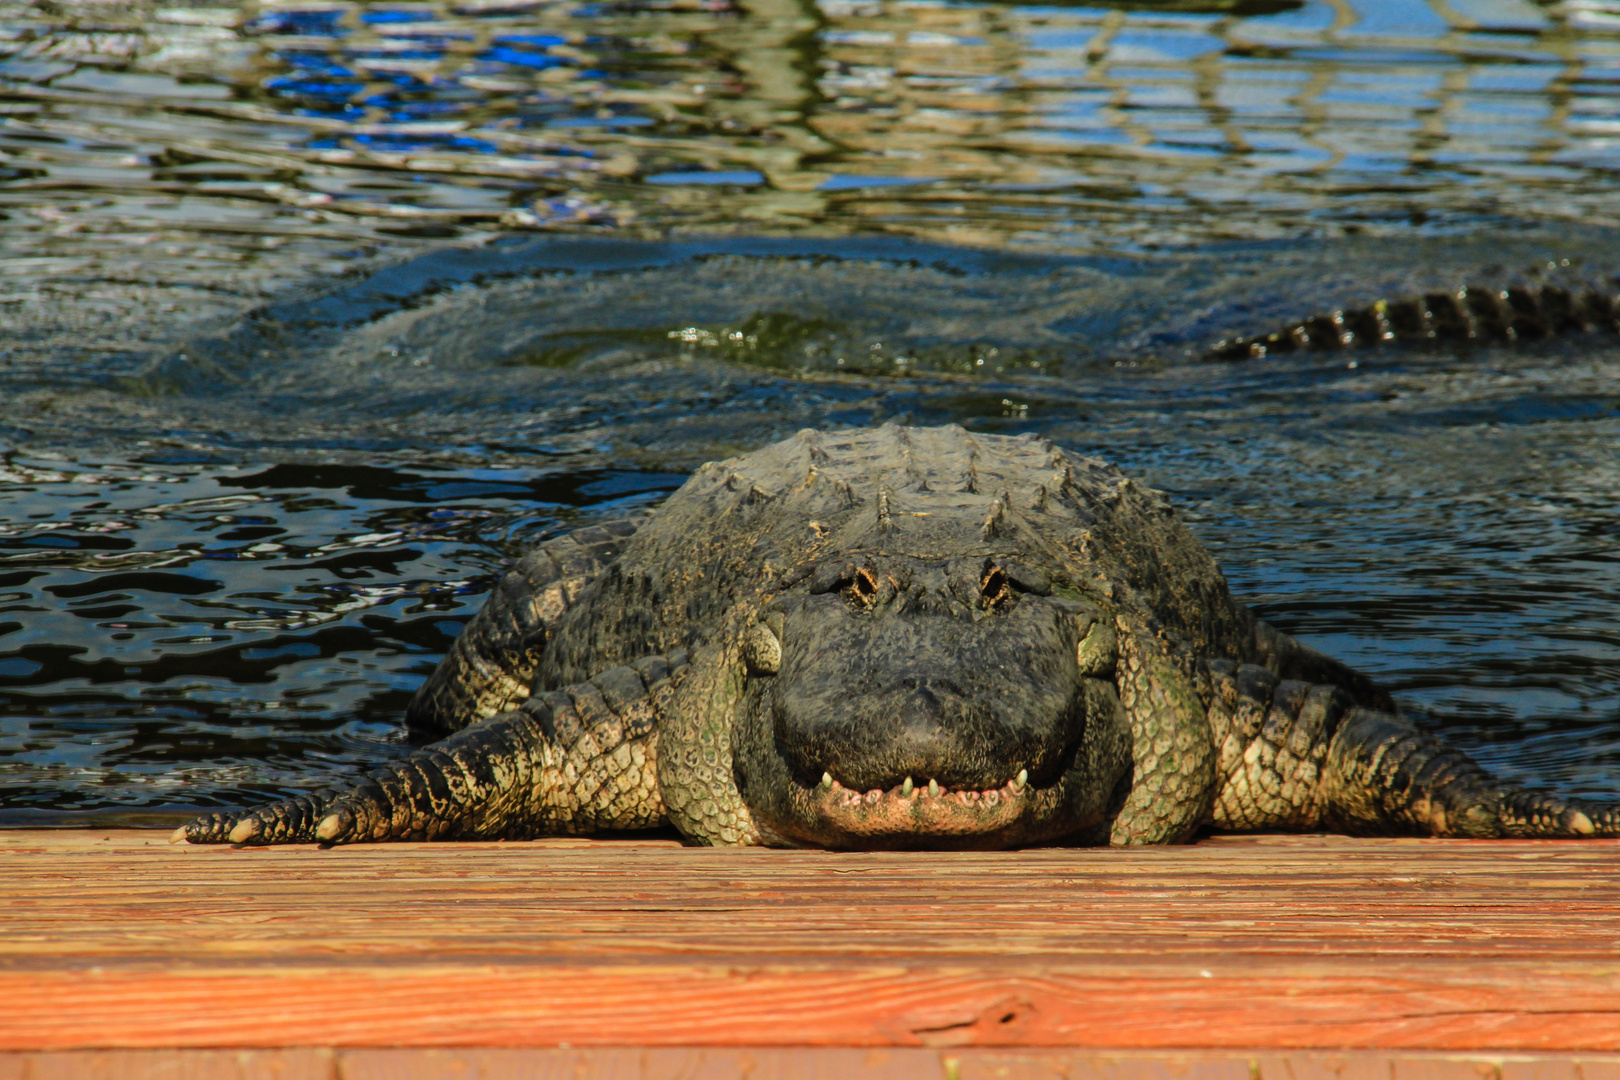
(904, 701)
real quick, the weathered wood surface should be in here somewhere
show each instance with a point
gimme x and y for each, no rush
(116, 939)
(793, 1063)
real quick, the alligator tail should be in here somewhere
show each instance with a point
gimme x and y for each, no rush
(1525, 311)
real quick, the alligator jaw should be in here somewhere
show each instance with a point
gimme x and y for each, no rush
(831, 794)
(919, 810)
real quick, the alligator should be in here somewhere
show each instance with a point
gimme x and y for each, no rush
(1539, 304)
(899, 638)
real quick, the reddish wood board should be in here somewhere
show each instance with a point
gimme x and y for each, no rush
(118, 940)
(794, 1063)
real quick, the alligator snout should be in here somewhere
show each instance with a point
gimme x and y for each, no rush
(924, 728)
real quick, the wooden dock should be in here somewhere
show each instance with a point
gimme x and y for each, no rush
(1260, 958)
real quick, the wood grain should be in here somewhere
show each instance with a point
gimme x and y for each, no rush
(799, 1063)
(117, 940)
(712, 1063)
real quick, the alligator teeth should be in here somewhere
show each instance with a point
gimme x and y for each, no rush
(909, 787)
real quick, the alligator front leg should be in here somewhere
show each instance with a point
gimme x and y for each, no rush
(1385, 776)
(1297, 756)
(576, 760)
(490, 665)
(1173, 779)
(695, 769)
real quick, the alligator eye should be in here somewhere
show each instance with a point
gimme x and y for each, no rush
(993, 587)
(863, 586)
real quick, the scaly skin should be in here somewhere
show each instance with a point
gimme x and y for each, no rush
(1292, 755)
(1526, 310)
(577, 760)
(490, 665)
(1173, 783)
(899, 638)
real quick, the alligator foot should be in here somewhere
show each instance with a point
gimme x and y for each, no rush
(289, 821)
(459, 788)
(574, 760)
(1385, 775)
(1296, 755)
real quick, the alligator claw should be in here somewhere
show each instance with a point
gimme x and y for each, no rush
(336, 827)
(208, 829)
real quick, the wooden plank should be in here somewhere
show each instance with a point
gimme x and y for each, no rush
(118, 940)
(180, 1065)
(797, 1063)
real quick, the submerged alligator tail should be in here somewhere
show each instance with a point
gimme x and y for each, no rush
(1529, 309)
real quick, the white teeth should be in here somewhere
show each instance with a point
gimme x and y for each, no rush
(909, 787)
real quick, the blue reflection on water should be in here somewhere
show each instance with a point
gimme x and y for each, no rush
(423, 141)
(293, 86)
(301, 23)
(542, 41)
(740, 177)
(383, 15)
(504, 55)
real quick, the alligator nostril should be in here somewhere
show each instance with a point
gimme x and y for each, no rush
(993, 587)
(863, 586)
(924, 722)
